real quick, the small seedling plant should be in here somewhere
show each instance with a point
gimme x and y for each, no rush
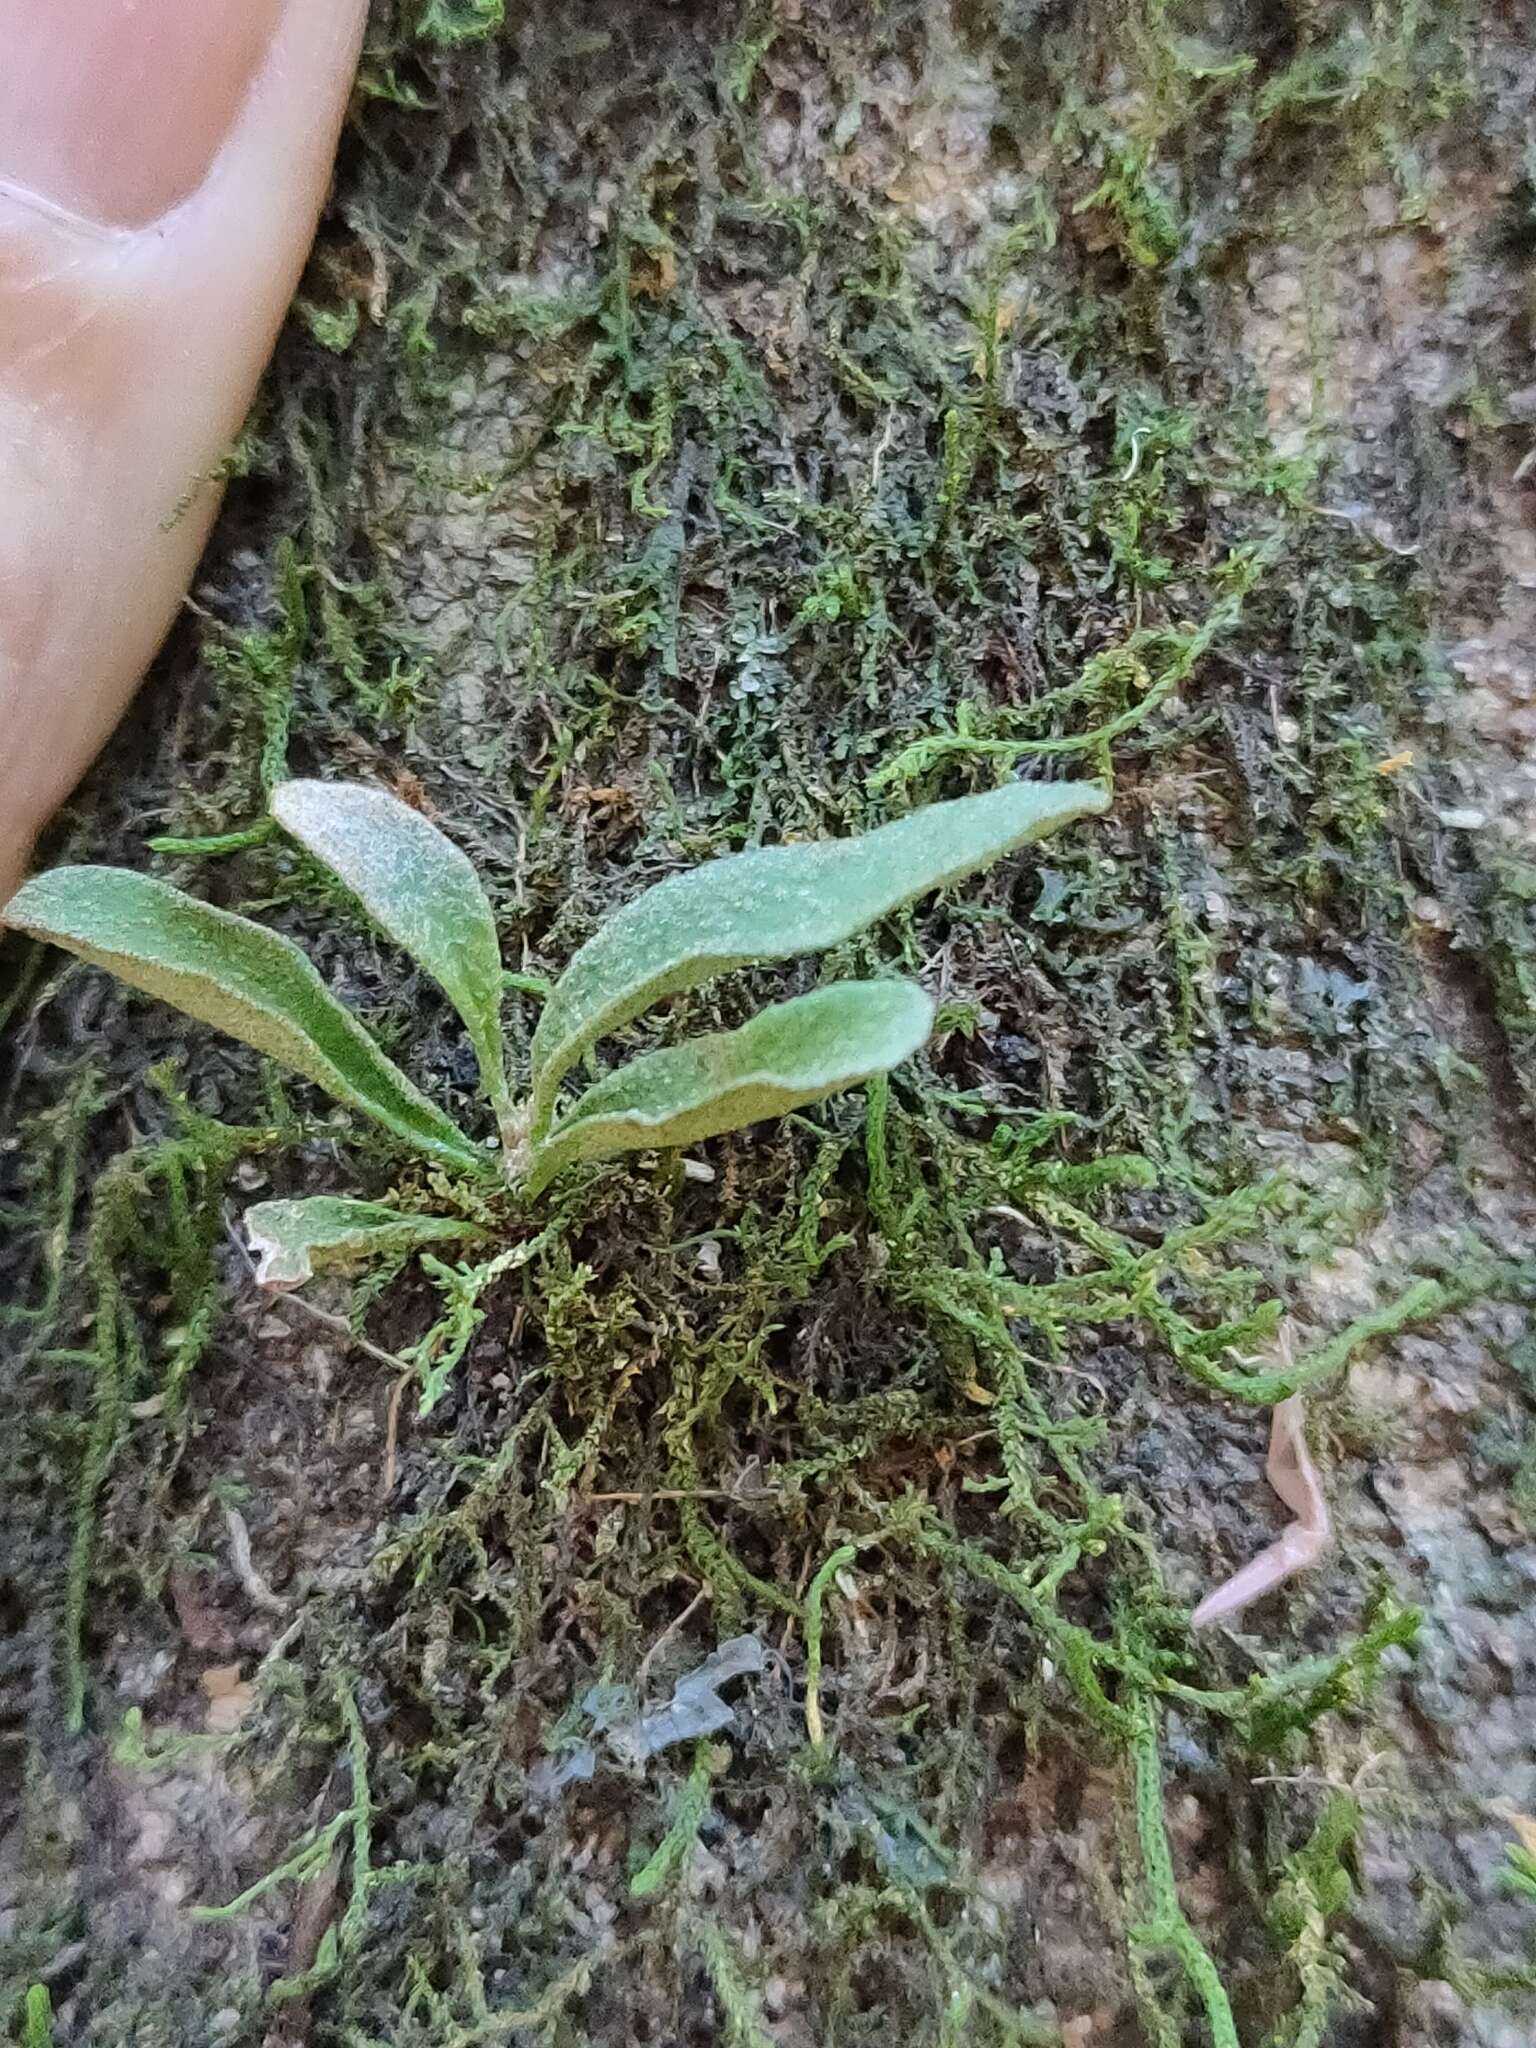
(423, 893)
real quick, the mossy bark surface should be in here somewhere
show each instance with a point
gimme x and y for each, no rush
(704, 427)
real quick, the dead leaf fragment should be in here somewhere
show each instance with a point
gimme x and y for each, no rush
(1294, 1477)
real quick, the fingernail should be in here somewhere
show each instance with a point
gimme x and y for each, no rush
(115, 109)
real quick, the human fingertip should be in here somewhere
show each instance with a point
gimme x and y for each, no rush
(114, 110)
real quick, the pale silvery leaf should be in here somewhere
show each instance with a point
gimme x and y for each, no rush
(290, 1238)
(420, 889)
(786, 1057)
(230, 973)
(777, 902)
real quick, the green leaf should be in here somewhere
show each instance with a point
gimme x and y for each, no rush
(789, 1055)
(417, 887)
(228, 972)
(776, 902)
(289, 1239)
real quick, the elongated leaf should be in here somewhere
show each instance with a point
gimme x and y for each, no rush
(418, 887)
(777, 902)
(789, 1055)
(228, 972)
(289, 1239)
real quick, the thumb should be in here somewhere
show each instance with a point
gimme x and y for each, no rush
(162, 165)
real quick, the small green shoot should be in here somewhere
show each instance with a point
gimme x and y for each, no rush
(422, 891)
